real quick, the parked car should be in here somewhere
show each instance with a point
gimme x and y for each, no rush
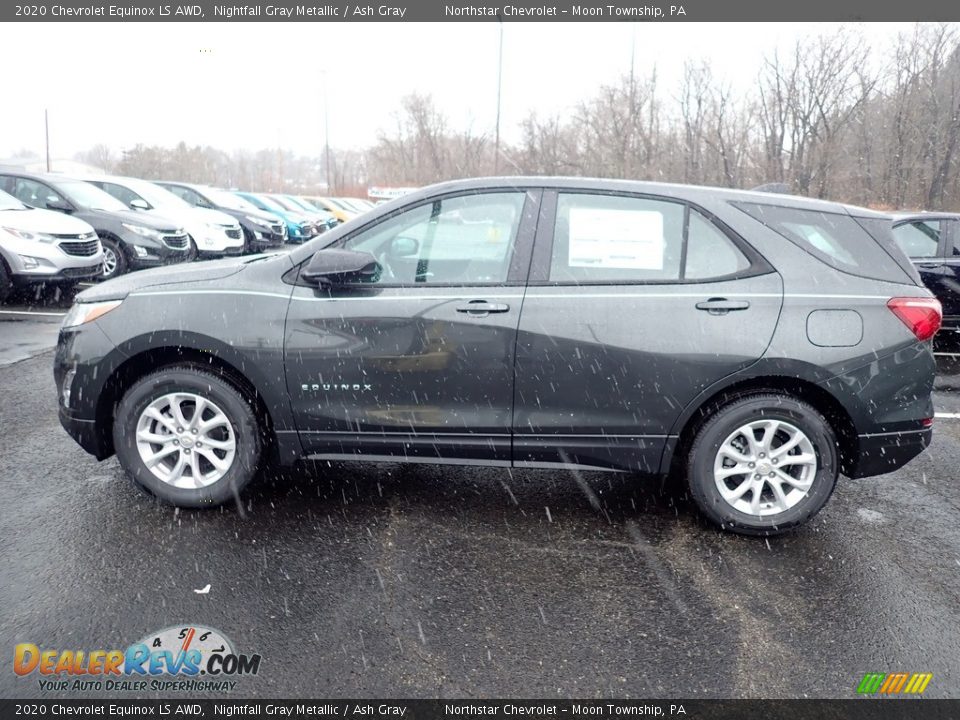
(358, 204)
(322, 219)
(131, 240)
(262, 231)
(44, 247)
(337, 209)
(299, 227)
(756, 345)
(317, 222)
(932, 242)
(213, 233)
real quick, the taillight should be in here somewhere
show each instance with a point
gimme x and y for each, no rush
(921, 315)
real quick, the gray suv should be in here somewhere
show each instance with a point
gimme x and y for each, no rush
(756, 346)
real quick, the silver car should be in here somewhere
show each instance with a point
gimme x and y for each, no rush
(41, 246)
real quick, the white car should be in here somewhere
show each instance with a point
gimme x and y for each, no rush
(42, 246)
(214, 233)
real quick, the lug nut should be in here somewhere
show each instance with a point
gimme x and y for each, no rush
(186, 450)
(194, 431)
(762, 455)
(753, 464)
(757, 476)
(773, 474)
(176, 442)
(774, 461)
(180, 430)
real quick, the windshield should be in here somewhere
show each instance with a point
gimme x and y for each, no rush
(270, 203)
(229, 200)
(8, 202)
(86, 195)
(156, 195)
(286, 203)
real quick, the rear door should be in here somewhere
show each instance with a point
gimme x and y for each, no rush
(951, 278)
(924, 241)
(635, 305)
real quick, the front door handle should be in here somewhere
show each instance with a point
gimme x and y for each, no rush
(482, 307)
(928, 264)
(721, 306)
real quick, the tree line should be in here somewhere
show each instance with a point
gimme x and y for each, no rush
(830, 117)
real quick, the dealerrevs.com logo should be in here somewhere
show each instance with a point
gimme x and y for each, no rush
(181, 657)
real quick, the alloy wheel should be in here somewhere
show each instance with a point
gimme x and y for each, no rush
(765, 467)
(186, 440)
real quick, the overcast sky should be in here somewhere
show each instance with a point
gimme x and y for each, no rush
(256, 85)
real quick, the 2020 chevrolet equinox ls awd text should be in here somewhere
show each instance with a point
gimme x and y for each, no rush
(756, 345)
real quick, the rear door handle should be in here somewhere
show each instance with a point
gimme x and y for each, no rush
(721, 306)
(482, 307)
(928, 264)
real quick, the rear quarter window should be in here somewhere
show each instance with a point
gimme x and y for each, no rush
(839, 240)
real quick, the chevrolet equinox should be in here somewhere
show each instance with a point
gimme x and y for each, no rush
(755, 345)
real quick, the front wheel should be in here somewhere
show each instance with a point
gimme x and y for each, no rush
(187, 437)
(763, 465)
(114, 261)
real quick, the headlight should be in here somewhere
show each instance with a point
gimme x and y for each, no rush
(82, 313)
(258, 221)
(143, 231)
(24, 235)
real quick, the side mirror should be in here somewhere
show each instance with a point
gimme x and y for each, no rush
(55, 203)
(139, 204)
(401, 247)
(341, 268)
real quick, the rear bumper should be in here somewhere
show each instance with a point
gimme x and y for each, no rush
(883, 453)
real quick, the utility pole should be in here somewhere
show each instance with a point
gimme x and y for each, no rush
(46, 129)
(496, 142)
(326, 133)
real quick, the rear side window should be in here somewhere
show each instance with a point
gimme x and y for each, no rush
(834, 238)
(918, 239)
(610, 238)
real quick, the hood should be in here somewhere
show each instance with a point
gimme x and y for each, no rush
(212, 217)
(208, 272)
(44, 221)
(147, 218)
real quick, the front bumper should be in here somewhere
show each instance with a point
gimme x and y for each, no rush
(85, 433)
(883, 453)
(153, 253)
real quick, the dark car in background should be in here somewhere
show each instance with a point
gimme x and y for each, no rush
(131, 240)
(261, 230)
(300, 228)
(932, 242)
(756, 346)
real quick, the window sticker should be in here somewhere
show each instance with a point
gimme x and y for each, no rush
(606, 238)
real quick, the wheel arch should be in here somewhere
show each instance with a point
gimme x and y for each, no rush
(137, 365)
(801, 388)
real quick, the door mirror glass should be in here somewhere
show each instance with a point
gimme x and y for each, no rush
(333, 267)
(139, 204)
(401, 247)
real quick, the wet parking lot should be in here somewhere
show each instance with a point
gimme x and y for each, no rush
(355, 580)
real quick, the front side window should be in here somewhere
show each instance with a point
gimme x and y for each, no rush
(466, 240)
(35, 194)
(121, 193)
(918, 239)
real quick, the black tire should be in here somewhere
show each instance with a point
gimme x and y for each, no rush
(112, 246)
(726, 421)
(201, 382)
(6, 283)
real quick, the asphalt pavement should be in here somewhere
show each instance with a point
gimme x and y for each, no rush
(390, 581)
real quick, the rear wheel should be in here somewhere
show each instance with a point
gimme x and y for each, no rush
(187, 437)
(114, 261)
(763, 465)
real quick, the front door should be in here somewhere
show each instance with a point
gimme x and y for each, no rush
(635, 305)
(419, 364)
